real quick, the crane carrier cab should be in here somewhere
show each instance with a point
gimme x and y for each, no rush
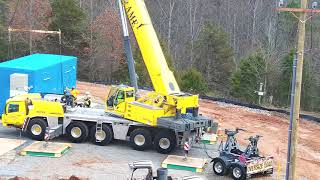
(37, 116)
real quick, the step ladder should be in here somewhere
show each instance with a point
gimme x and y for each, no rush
(98, 129)
(54, 131)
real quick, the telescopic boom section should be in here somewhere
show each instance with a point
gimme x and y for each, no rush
(161, 76)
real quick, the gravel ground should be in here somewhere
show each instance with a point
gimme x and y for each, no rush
(89, 161)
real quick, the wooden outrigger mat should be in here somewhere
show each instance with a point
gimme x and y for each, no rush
(7, 145)
(209, 139)
(190, 164)
(47, 149)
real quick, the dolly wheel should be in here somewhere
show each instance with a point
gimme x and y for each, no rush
(238, 172)
(219, 167)
(77, 131)
(140, 139)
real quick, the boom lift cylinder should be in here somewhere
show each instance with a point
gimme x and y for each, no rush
(127, 47)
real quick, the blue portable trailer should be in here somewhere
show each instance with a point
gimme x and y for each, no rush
(39, 73)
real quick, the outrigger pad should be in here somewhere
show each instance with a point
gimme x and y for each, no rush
(209, 138)
(46, 149)
(190, 164)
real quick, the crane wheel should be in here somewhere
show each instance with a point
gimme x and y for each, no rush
(77, 131)
(101, 138)
(140, 139)
(36, 129)
(164, 142)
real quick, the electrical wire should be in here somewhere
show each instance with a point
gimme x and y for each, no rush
(206, 151)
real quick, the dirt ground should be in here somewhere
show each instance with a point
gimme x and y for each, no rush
(272, 126)
(274, 129)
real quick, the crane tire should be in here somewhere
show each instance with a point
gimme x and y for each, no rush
(103, 138)
(36, 129)
(140, 139)
(164, 142)
(77, 131)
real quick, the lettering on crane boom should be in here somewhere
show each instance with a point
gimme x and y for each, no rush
(135, 23)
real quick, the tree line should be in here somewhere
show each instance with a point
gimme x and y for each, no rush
(215, 47)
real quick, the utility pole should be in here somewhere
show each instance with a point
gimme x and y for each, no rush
(296, 86)
(297, 94)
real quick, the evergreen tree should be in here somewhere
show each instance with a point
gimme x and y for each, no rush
(246, 80)
(71, 20)
(192, 81)
(283, 90)
(214, 57)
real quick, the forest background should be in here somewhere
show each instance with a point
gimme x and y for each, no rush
(220, 48)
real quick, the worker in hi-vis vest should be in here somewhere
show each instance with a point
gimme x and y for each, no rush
(74, 93)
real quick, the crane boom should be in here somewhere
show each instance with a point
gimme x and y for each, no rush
(161, 76)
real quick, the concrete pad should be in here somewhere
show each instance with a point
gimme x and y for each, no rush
(48, 149)
(209, 138)
(190, 164)
(7, 145)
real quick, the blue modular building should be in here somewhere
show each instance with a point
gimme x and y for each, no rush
(37, 73)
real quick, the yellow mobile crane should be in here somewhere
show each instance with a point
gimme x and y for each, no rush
(167, 100)
(164, 118)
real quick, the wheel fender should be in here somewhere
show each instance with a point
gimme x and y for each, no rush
(214, 159)
(237, 163)
(39, 117)
(223, 159)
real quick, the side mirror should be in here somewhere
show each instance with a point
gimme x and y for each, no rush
(5, 110)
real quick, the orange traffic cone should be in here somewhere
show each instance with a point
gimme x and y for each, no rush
(220, 131)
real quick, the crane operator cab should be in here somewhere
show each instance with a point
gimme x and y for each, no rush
(118, 97)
